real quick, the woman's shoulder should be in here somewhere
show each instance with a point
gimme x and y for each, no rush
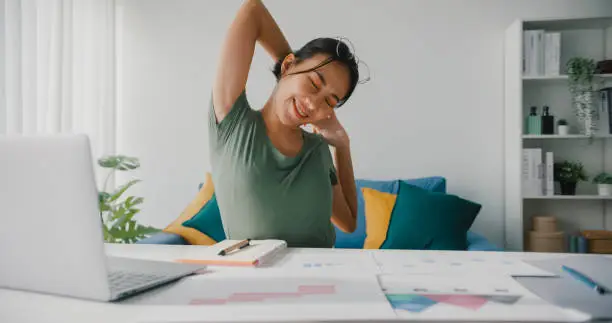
(316, 141)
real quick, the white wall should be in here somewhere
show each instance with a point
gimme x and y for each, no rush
(2, 71)
(433, 107)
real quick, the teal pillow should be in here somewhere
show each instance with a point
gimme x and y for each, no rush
(422, 220)
(208, 220)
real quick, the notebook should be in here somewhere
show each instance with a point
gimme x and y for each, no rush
(257, 253)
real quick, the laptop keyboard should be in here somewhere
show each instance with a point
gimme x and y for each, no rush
(121, 279)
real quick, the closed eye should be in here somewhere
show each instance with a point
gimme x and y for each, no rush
(313, 84)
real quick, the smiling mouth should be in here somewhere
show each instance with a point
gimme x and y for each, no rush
(299, 111)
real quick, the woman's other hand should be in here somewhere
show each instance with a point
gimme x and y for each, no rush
(332, 131)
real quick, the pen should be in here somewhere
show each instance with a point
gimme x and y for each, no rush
(583, 278)
(236, 246)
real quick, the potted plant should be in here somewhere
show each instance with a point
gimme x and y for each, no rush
(562, 127)
(604, 184)
(568, 174)
(118, 212)
(580, 73)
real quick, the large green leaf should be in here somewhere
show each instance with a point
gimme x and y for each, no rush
(104, 207)
(117, 194)
(132, 232)
(119, 162)
(126, 216)
(118, 214)
(134, 201)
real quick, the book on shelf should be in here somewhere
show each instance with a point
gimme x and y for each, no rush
(532, 175)
(549, 176)
(577, 243)
(552, 53)
(541, 53)
(604, 113)
(538, 174)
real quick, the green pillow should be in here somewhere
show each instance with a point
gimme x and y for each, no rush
(208, 220)
(422, 219)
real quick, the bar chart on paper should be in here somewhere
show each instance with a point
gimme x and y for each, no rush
(468, 298)
(275, 296)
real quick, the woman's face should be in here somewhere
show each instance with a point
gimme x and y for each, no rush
(309, 97)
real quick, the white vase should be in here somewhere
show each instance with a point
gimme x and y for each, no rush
(604, 189)
(563, 130)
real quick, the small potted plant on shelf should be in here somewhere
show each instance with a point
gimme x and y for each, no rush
(604, 184)
(562, 127)
(568, 174)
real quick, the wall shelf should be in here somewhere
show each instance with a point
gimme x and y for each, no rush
(568, 197)
(559, 77)
(540, 137)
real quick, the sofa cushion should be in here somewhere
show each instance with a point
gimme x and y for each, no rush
(379, 205)
(208, 220)
(420, 219)
(356, 239)
(190, 234)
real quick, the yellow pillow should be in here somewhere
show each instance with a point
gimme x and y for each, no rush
(378, 209)
(192, 235)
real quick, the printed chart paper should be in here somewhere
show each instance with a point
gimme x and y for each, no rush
(267, 297)
(438, 297)
(455, 263)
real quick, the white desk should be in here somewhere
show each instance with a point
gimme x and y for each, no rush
(18, 306)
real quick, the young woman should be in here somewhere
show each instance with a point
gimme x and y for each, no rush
(272, 179)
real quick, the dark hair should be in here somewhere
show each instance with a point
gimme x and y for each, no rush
(337, 50)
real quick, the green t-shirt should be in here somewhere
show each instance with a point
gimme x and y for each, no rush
(263, 194)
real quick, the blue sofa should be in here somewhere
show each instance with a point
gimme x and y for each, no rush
(475, 241)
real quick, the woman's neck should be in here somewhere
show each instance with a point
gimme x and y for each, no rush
(274, 125)
(288, 140)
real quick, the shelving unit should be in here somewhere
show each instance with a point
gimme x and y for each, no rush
(583, 37)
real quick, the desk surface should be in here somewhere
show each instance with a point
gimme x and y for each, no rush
(19, 306)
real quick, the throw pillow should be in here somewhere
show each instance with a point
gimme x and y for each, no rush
(420, 219)
(208, 221)
(378, 208)
(191, 235)
(356, 239)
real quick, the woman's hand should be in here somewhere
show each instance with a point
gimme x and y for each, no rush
(332, 131)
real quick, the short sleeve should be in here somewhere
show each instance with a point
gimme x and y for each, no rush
(333, 177)
(238, 116)
(329, 163)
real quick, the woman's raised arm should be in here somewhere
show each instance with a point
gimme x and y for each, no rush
(253, 23)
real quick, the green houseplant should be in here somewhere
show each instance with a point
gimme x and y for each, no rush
(117, 212)
(604, 183)
(562, 127)
(568, 174)
(581, 73)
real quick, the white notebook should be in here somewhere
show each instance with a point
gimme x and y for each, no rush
(257, 253)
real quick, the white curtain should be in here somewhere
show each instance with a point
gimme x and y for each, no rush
(58, 60)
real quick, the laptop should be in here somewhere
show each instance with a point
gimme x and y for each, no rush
(51, 238)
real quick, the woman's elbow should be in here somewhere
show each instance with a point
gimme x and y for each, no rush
(350, 226)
